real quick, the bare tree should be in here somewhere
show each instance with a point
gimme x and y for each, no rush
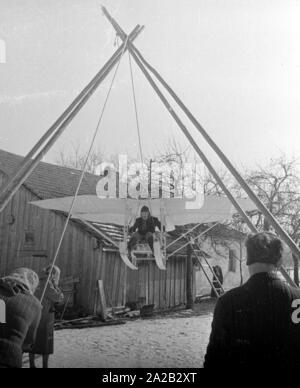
(77, 156)
(278, 186)
(220, 238)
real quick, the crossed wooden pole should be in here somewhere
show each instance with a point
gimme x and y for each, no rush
(144, 65)
(53, 133)
(44, 144)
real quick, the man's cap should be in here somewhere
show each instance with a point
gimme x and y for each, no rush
(264, 247)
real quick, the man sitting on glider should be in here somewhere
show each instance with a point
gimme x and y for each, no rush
(143, 229)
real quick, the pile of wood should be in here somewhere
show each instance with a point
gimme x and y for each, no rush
(131, 310)
(125, 312)
(87, 322)
(104, 316)
(113, 316)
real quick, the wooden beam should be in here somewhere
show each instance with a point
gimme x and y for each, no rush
(188, 243)
(183, 235)
(226, 162)
(189, 278)
(138, 59)
(281, 232)
(31, 161)
(102, 311)
(99, 232)
(278, 228)
(165, 102)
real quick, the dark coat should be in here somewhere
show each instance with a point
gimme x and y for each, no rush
(253, 326)
(151, 223)
(218, 274)
(23, 312)
(44, 343)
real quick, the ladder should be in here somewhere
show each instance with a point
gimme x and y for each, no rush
(196, 251)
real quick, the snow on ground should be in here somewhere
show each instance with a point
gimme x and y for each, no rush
(168, 341)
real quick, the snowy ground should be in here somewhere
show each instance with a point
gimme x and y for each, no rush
(175, 340)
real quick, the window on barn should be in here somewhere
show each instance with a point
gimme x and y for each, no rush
(29, 238)
(232, 261)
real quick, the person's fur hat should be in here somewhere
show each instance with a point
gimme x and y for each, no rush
(145, 209)
(25, 278)
(264, 247)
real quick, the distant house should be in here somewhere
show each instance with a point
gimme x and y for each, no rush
(226, 248)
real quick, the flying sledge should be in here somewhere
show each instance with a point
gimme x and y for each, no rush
(171, 212)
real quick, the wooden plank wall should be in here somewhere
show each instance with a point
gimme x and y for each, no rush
(164, 289)
(81, 257)
(78, 256)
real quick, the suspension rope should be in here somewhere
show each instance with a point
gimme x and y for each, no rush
(83, 172)
(138, 128)
(136, 110)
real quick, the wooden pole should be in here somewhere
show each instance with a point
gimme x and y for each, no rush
(226, 161)
(29, 164)
(269, 216)
(131, 48)
(188, 243)
(241, 263)
(189, 278)
(296, 269)
(102, 312)
(99, 232)
(194, 144)
(125, 286)
(279, 230)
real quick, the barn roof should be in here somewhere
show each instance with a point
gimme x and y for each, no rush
(49, 180)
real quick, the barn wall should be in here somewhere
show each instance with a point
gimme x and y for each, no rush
(80, 256)
(113, 274)
(164, 289)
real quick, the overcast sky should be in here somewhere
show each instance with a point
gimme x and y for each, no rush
(236, 65)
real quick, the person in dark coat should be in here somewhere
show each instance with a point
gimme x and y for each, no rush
(44, 344)
(143, 229)
(254, 325)
(23, 312)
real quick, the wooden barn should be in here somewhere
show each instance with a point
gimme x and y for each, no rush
(30, 235)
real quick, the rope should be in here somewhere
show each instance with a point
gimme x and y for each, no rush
(136, 110)
(138, 127)
(83, 173)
